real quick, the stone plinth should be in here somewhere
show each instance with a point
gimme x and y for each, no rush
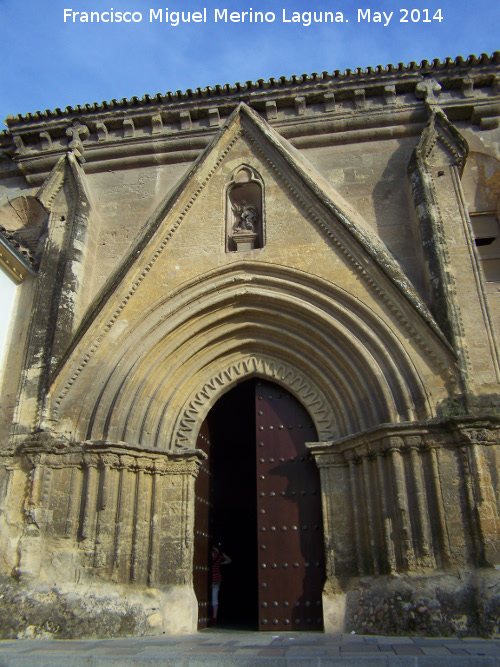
(245, 240)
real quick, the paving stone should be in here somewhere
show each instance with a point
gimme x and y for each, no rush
(250, 650)
(407, 650)
(362, 661)
(244, 650)
(358, 648)
(482, 649)
(454, 661)
(310, 651)
(436, 650)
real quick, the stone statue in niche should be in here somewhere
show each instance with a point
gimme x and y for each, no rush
(244, 224)
(247, 216)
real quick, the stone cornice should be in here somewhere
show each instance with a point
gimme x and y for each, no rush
(177, 127)
(401, 73)
(119, 455)
(381, 440)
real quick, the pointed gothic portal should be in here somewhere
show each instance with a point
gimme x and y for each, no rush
(265, 506)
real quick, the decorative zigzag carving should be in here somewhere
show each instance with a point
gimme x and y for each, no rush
(197, 407)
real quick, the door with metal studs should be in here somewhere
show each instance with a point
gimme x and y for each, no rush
(289, 520)
(201, 564)
(289, 548)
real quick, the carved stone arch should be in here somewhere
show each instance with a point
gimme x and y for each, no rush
(198, 404)
(22, 212)
(245, 211)
(346, 354)
(23, 223)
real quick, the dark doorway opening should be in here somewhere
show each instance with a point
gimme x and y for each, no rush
(258, 493)
(234, 515)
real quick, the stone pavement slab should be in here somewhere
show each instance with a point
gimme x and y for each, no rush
(219, 648)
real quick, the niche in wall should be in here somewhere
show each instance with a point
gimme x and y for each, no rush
(244, 210)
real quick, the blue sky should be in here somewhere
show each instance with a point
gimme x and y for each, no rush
(46, 63)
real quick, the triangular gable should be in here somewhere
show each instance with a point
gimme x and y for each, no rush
(353, 229)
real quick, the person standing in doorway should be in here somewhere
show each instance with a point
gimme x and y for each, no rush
(219, 558)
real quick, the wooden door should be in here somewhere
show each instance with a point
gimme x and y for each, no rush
(290, 544)
(202, 536)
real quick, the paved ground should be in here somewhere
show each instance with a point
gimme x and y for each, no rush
(219, 648)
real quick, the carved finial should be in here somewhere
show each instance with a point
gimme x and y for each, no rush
(77, 133)
(428, 90)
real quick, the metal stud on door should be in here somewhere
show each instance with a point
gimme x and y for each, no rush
(290, 533)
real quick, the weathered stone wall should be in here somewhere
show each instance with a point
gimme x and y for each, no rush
(112, 521)
(454, 604)
(399, 506)
(418, 498)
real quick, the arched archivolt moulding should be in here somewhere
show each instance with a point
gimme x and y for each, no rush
(154, 383)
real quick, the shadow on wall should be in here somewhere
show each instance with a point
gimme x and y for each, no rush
(396, 222)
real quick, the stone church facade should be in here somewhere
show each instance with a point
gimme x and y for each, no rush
(286, 291)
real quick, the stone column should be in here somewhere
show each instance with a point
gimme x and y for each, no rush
(422, 527)
(401, 503)
(370, 513)
(337, 525)
(390, 556)
(483, 505)
(444, 542)
(123, 530)
(356, 509)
